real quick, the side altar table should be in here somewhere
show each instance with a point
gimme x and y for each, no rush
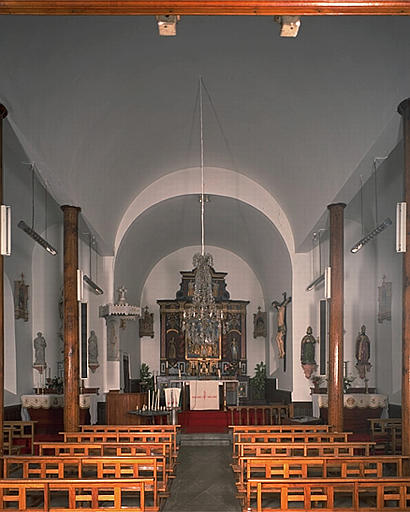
(358, 408)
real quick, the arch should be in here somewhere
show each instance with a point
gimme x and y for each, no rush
(218, 181)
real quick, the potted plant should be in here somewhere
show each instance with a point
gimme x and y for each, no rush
(145, 378)
(258, 381)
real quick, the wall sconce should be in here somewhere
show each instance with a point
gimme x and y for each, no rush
(328, 282)
(5, 219)
(401, 213)
(167, 24)
(289, 25)
(366, 239)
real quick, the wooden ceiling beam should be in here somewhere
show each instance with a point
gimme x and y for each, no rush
(204, 7)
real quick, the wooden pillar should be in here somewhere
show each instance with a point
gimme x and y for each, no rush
(71, 320)
(335, 383)
(3, 114)
(404, 111)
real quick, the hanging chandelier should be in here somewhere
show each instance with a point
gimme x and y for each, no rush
(202, 320)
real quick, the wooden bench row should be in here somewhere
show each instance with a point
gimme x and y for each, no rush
(317, 467)
(311, 449)
(387, 434)
(287, 437)
(280, 428)
(68, 495)
(377, 495)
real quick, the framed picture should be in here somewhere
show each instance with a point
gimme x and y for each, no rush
(243, 389)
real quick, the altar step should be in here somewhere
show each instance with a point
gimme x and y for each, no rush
(205, 439)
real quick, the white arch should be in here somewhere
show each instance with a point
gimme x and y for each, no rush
(220, 182)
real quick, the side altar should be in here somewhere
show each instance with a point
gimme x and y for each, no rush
(179, 356)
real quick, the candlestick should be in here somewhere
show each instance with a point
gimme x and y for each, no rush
(149, 399)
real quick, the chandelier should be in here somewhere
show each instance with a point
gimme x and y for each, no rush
(202, 321)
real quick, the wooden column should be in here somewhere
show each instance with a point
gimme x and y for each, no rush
(71, 320)
(404, 111)
(3, 114)
(335, 384)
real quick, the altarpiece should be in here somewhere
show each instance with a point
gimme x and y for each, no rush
(180, 356)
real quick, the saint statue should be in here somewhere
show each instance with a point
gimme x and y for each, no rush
(40, 350)
(93, 352)
(307, 353)
(281, 333)
(363, 353)
(234, 350)
(172, 349)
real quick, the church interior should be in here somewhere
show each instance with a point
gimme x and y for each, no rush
(204, 268)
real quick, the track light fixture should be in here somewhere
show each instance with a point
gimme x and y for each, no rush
(167, 24)
(289, 25)
(37, 238)
(95, 288)
(314, 283)
(367, 238)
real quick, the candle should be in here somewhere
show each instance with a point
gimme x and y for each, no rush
(149, 399)
(219, 373)
(179, 372)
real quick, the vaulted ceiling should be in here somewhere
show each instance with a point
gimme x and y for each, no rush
(105, 106)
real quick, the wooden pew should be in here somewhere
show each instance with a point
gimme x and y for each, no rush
(350, 449)
(20, 494)
(91, 467)
(58, 449)
(384, 494)
(386, 433)
(288, 437)
(173, 429)
(21, 430)
(271, 414)
(318, 467)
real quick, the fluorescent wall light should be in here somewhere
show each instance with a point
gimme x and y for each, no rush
(5, 219)
(37, 238)
(95, 288)
(314, 283)
(80, 285)
(401, 213)
(366, 239)
(328, 282)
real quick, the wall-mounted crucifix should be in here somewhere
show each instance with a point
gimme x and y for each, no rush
(281, 332)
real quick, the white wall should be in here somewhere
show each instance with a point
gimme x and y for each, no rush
(163, 283)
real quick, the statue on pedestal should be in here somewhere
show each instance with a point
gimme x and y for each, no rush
(307, 353)
(363, 353)
(40, 352)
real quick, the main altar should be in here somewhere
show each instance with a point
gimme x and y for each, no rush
(180, 356)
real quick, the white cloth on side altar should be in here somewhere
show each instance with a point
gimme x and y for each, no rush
(172, 397)
(204, 395)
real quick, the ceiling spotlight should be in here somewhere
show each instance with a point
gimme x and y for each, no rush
(95, 288)
(381, 227)
(167, 25)
(37, 238)
(289, 25)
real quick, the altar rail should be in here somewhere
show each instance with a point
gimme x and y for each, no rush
(272, 414)
(382, 494)
(18, 494)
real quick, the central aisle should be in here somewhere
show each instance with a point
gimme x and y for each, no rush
(204, 481)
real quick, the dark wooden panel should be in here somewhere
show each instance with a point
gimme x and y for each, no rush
(118, 405)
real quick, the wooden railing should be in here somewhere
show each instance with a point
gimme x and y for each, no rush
(272, 414)
(386, 433)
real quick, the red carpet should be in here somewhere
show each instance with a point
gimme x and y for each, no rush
(193, 422)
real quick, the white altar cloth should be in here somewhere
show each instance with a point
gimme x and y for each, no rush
(204, 395)
(351, 400)
(86, 401)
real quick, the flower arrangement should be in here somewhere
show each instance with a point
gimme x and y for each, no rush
(347, 382)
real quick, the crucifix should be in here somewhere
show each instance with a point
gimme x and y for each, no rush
(281, 332)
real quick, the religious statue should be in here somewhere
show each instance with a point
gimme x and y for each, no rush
(307, 353)
(234, 350)
(281, 333)
(93, 352)
(172, 349)
(146, 323)
(363, 353)
(122, 295)
(113, 340)
(40, 353)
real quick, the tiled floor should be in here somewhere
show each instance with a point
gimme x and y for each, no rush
(204, 481)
